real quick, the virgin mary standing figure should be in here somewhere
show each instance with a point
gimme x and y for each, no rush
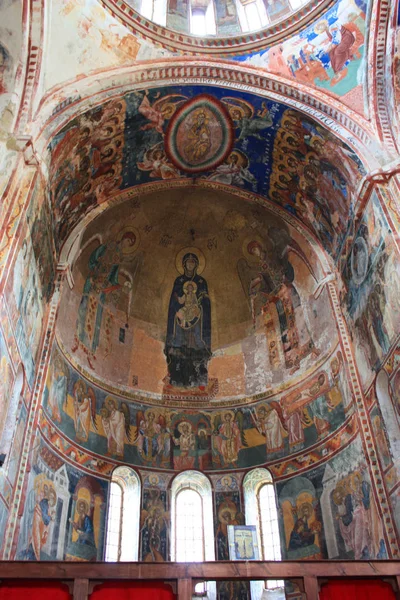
(188, 343)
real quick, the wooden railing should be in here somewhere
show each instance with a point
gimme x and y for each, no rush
(183, 576)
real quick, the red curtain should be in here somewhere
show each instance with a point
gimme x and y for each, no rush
(34, 590)
(130, 590)
(362, 589)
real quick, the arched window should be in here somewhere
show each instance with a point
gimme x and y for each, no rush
(252, 15)
(202, 19)
(192, 521)
(123, 516)
(155, 10)
(261, 510)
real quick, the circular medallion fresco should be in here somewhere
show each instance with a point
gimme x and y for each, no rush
(200, 135)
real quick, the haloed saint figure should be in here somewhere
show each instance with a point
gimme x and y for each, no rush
(188, 343)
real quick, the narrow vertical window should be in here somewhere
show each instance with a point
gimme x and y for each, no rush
(261, 510)
(189, 527)
(114, 523)
(269, 528)
(147, 9)
(192, 538)
(198, 22)
(122, 542)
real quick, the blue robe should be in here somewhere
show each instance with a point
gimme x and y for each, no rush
(188, 349)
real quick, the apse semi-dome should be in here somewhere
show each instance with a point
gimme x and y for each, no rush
(195, 294)
(197, 312)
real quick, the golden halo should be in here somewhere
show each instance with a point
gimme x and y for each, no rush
(153, 479)
(242, 159)
(127, 249)
(190, 250)
(182, 423)
(251, 258)
(228, 412)
(187, 283)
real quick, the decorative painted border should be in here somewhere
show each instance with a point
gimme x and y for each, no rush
(367, 435)
(379, 33)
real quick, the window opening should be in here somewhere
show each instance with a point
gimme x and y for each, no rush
(122, 542)
(147, 9)
(261, 510)
(192, 520)
(189, 526)
(114, 523)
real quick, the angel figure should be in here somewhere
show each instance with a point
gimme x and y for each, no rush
(116, 423)
(157, 163)
(269, 420)
(161, 110)
(228, 436)
(152, 436)
(242, 113)
(270, 288)
(84, 410)
(234, 171)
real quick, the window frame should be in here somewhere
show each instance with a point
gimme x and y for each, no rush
(203, 545)
(129, 482)
(121, 519)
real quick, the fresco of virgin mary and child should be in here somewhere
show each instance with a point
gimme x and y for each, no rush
(188, 342)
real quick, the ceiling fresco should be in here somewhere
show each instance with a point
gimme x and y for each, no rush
(195, 294)
(330, 53)
(276, 152)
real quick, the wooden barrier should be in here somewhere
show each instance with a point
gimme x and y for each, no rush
(183, 576)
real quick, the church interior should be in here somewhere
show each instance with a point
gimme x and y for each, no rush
(200, 299)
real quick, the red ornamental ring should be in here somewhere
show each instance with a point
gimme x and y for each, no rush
(200, 135)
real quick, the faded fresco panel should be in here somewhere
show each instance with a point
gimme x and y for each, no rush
(329, 54)
(226, 18)
(331, 512)
(371, 298)
(26, 303)
(17, 445)
(10, 50)
(203, 439)
(65, 512)
(178, 15)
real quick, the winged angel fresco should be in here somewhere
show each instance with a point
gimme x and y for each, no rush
(228, 436)
(160, 111)
(268, 282)
(84, 410)
(243, 115)
(116, 423)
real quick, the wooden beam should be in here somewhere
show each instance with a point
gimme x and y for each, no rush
(81, 589)
(209, 571)
(185, 589)
(311, 588)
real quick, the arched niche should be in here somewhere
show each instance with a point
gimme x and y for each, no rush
(123, 516)
(9, 423)
(390, 415)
